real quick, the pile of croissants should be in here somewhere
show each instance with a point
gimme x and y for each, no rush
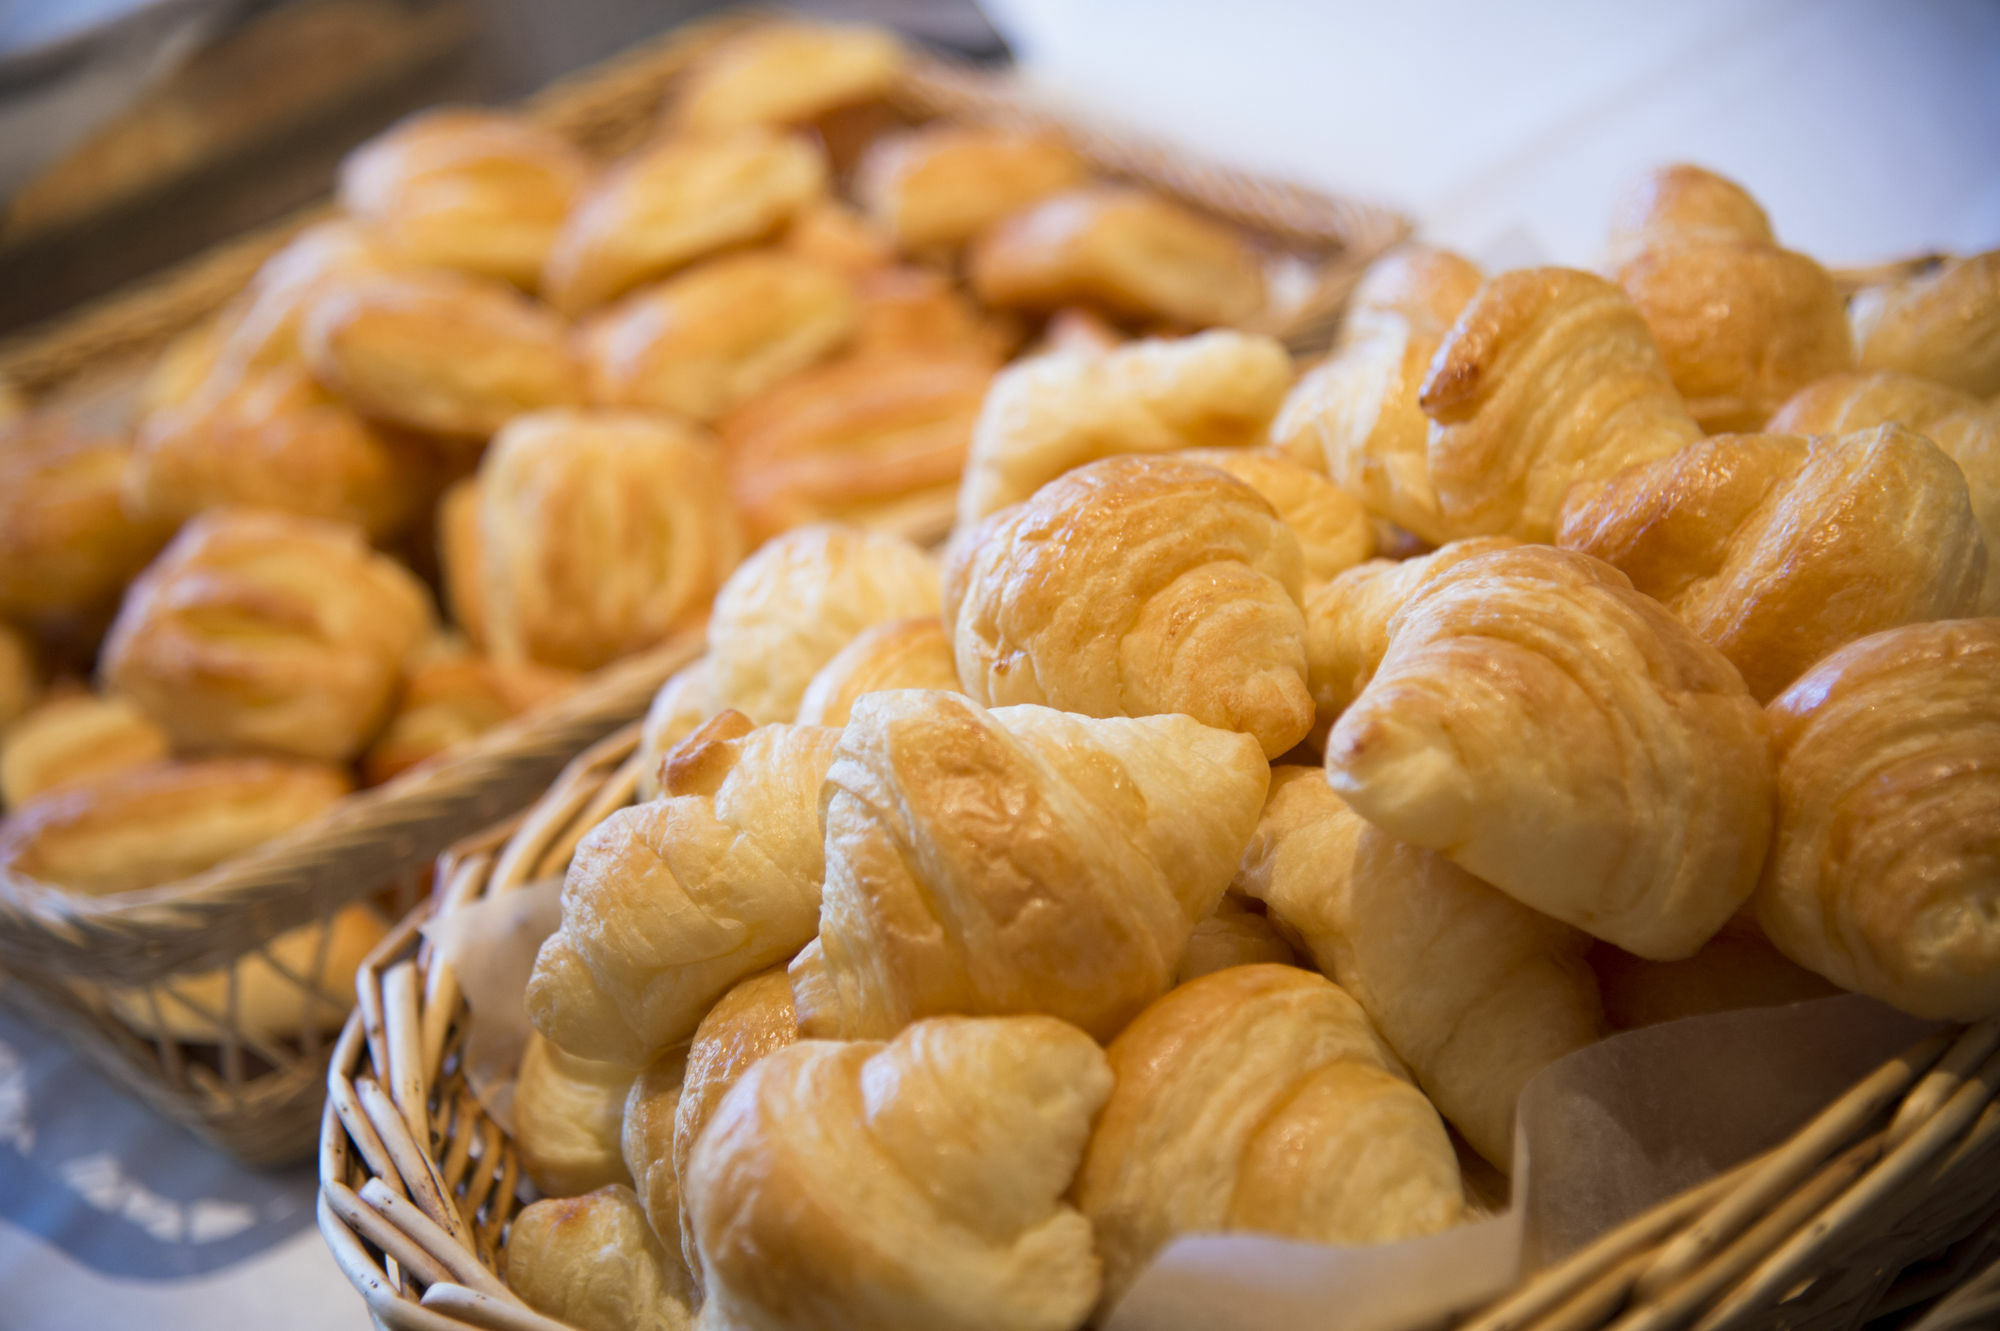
(1161, 863)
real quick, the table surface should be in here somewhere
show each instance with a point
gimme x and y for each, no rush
(1869, 131)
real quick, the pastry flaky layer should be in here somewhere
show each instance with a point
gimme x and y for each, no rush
(1884, 874)
(567, 1115)
(1943, 325)
(593, 1262)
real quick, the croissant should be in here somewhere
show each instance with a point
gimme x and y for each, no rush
(913, 1184)
(1135, 586)
(599, 533)
(934, 189)
(1738, 968)
(592, 1263)
(1018, 860)
(679, 709)
(797, 601)
(901, 654)
(1357, 410)
(1741, 323)
(568, 1112)
(788, 74)
(456, 698)
(1549, 378)
(1776, 549)
(1260, 1098)
(1332, 526)
(1474, 991)
(1235, 935)
(67, 545)
(1960, 424)
(667, 904)
(646, 1147)
(1567, 740)
(74, 739)
(1882, 867)
(1047, 415)
(1943, 325)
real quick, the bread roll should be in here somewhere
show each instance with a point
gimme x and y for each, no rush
(1132, 587)
(1564, 738)
(1741, 323)
(1235, 935)
(669, 903)
(917, 312)
(71, 739)
(680, 708)
(568, 1113)
(1019, 860)
(592, 1263)
(1260, 1098)
(1736, 969)
(263, 326)
(1050, 414)
(914, 1184)
(934, 189)
(453, 699)
(1332, 526)
(1776, 549)
(788, 73)
(600, 532)
(832, 233)
(673, 202)
(1882, 867)
(1128, 251)
(18, 685)
(267, 631)
(901, 654)
(1943, 324)
(67, 546)
(1476, 992)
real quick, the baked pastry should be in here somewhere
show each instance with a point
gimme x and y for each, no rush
(441, 352)
(674, 202)
(460, 187)
(910, 311)
(1883, 863)
(73, 738)
(1236, 934)
(461, 554)
(679, 709)
(1132, 587)
(934, 189)
(599, 532)
(568, 1113)
(917, 1183)
(646, 1144)
(1260, 1098)
(267, 631)
(1357, 409)
(1962, 425)
(788, 74)
(262, 327)
(67, 546)
(1050, 414)
(274, 439)
(1128, 251)
(669, 903)
(1567, 740)
(898, 654)
(1738, 968)
(831, 233)
(185, 366)
(1776, 549)
(18, 686)
(592, 1263)
(1474, 991)
(715, 336)
(1942, 325)
(797, 601)
(1549, 378)
(1741, 323)
(455, 698)
(1332, 526)
(1018, 860)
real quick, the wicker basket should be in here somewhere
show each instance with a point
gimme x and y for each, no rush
(1887, 1200)
(68, 958)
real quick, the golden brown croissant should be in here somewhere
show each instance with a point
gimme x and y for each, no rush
(674, 202)
(715, 336)
(1332, 526)
(669, 903)
(788, 74)
(646, 1146)
(1549, 378)
(1741, 323)
(1776, 549)
(1476, 992)
(460, 187)
(1128, 251)
(800, 599)
(67, 545)
(935, 188)
(568, 1113)
(679, 709)
(1962, 425)
(1882, 869)
(440, 352)
(592, 1263)
(267, 631)
(455, 698)
(1357, 410)
(1260, 1098)
(1566, 739)
(1943, 325)
(1018, 860)
(71, 739)
(1738, 968)
(1050, 414)
(913, 1184)
(1236, 934)
(1136, 586)
(600, 532)
(901, 654)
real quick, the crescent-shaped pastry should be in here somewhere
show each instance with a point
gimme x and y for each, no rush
(72, 739)
(1236, 934)
(568, 1113)
(1333, 528)
(67, 545)
(1942, 325)
(901, 654)
(680, 708)
(592, 1263)
(935, 188)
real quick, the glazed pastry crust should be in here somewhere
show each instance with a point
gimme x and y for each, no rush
(679, 709)
(899, 654)
(1776, 549)
(1332, 526)
(1561, 736)
(1136, 586)
(788, 74)
(936, 188)
(1882, 871)
(66, 543)
(592, 1263)
(454, 699)
(1943, 325)
(72, 739)
(568, 1112)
